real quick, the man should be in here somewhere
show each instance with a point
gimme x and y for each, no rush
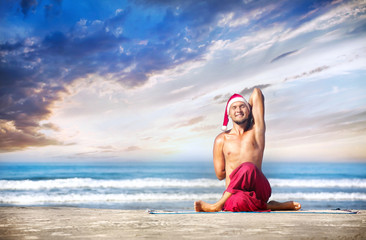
(238, 155)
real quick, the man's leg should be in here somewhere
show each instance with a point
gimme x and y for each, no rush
(201, 206)
(245, 177)
(290, 205)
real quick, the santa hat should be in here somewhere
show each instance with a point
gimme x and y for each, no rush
(234, 98)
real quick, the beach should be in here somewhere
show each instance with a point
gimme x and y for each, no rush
(85, 223)
(109, 201)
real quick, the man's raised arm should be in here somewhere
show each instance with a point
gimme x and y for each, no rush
(256, 101)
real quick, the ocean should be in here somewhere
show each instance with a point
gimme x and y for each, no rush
(173, 185)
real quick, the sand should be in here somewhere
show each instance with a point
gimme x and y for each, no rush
(82, 223)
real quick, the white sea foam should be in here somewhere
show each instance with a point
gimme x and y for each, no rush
(96, 183)
(320, 196)
(103, 198)
(319, 183)
(24, 199)
(170, 183)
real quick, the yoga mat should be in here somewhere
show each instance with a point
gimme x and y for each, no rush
(272, 212)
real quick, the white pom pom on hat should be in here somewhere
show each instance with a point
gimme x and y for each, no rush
(234, 98)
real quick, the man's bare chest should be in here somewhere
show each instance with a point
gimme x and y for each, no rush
(239, 145)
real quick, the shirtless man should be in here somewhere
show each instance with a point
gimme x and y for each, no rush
(238, 155)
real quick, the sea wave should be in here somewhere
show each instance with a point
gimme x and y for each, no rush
(170, 183)
(25, 199)
(319, 183)
(102, 198)
(320, 196)
(100, 183)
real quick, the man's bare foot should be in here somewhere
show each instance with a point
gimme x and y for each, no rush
(290, 205)
(201, 206)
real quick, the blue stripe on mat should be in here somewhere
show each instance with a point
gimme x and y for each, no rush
(297, 212)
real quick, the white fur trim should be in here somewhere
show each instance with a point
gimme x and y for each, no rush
(224, 128)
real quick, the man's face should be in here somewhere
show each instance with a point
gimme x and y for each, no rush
(239, 112)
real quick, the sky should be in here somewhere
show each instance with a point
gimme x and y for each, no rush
(149, 79)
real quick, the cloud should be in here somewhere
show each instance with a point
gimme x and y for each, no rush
(333, 16)
(190, 122)
(283, 56)
(320, 128)
(246, 91)
(205, 128)
(5, 47)
(198, 20)
(13, 139)
(35, 74)
(53, 9)
(131, 47)
(36, 71)
(50, 126)
(23, 106)
(132, 148)
(27, 5)
(106, 151)
(358, 29)
(307, 74)
(183, 89)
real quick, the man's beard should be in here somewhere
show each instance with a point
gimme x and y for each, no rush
(241, 122)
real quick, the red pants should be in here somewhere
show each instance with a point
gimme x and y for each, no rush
(250, 190)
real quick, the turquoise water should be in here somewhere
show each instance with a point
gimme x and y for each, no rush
(173, 185)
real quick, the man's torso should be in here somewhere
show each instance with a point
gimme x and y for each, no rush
(239, 149)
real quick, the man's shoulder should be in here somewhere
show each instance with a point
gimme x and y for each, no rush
(221, 137)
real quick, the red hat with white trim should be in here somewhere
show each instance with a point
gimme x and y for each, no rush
(234, 98)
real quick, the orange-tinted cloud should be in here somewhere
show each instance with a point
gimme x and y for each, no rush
(13, 139)
(21, 112)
